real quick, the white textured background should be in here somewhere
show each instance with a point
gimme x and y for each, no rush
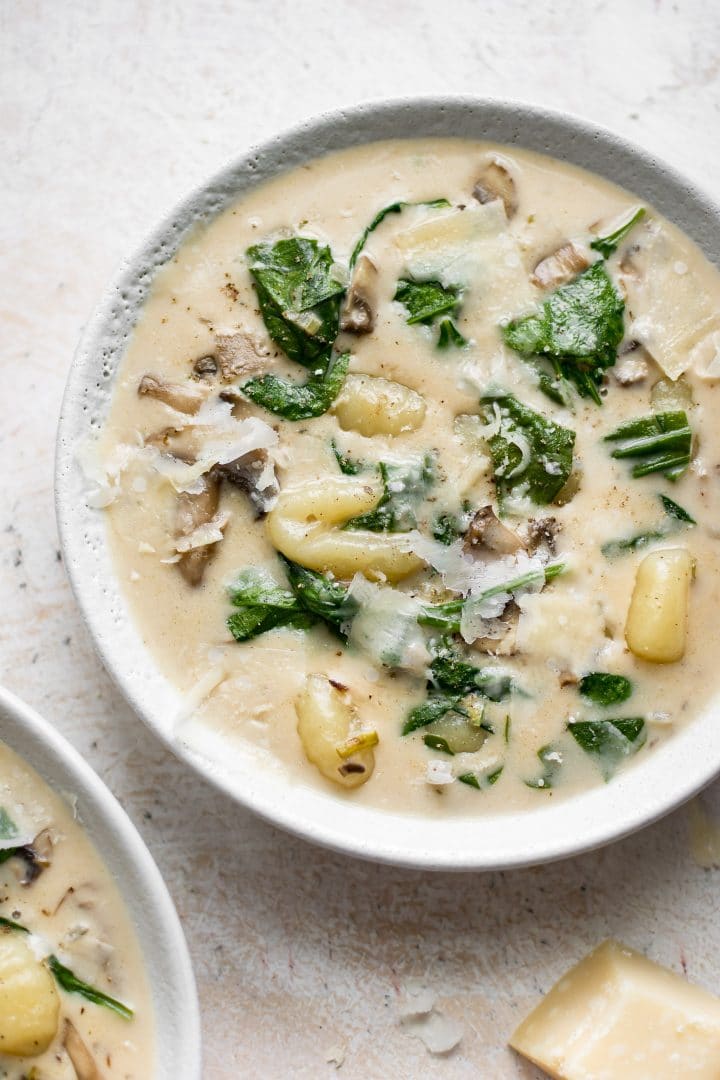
(109, 112)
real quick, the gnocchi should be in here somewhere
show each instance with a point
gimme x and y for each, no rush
(372, 405)
(656, 627)
(325, 720)
(29, 1002)
(303, 526)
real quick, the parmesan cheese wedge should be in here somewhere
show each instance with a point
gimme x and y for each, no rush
(618, 1016)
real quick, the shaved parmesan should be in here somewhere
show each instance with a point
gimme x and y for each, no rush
(211, 532)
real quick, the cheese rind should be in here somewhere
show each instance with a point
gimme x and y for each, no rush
(618, 1016)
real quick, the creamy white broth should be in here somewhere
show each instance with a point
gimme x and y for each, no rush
(248, 691)
(72, 910)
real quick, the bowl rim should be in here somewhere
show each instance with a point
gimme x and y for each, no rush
(124, 853)
(637, 797)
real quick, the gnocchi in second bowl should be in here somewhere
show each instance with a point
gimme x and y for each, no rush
(411, 477)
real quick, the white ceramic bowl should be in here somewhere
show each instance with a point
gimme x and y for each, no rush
(177, 1018)
(649, 788)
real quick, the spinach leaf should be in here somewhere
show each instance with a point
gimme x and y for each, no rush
(447, 616)
(429, 711)
(606, 245)
(321, 595)
(531, 455)
(393, 208)
(436, 742)
(551, 759)
(425, 301)
(299, 292)
(299, 401)
(479, 782)
(604, 689)
(262, 606)
(577, 331)
(452, 673)
(8, 828)
(448, 334)
(609, 741)
(448, 527)
(70, 983)
(404, 486)
(347, 465)
(662, 441)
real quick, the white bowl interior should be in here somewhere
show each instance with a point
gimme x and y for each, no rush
(648, 789)
(177, 1018)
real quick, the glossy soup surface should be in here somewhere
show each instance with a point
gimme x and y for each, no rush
(460, 518)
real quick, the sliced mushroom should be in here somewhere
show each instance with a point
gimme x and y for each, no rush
(205, 367)
(254, 474)
(633, 365)
(561, 266)
(486, 530)
(36, 856)
(542, 533)
(567, 678)
(81, 1058)
(358, 315)
(193, 511)
(186, 398)
(496, 182)
(239, 353)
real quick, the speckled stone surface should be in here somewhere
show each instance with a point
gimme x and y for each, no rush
(109, 113)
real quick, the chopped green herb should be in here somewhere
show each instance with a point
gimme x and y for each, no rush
(551, 760)
(675, 511)
(10, 925)
(448, 527)
(577, 332)
(531, 456)
(404, 486)
(394, 208)
(299, 291)
(299, 401)
(448, 334)
(347, 465)
(662, 441)
(609, 741)
(606, 245)
(435, 742)
(604, 689)
(479, 782)
(677, 518)
(321, 595)
(70, 983)
(263, 605)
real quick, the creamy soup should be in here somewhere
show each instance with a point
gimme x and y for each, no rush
(74, 998)
(410, 476)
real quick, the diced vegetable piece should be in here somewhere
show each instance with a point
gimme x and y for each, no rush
(29, 1002)
(325, 715)
(375, 406)
(460, 735)
(618, 1015)
(656, 627)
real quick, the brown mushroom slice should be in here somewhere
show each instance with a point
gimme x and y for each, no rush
(205, 367)
(561, 266)
(358, 314)
(81, 1058)
(254, 474)
(486, 530)
(239, 353)
(496, 182)
(542, 533)
(185, 398)
(193, 511)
